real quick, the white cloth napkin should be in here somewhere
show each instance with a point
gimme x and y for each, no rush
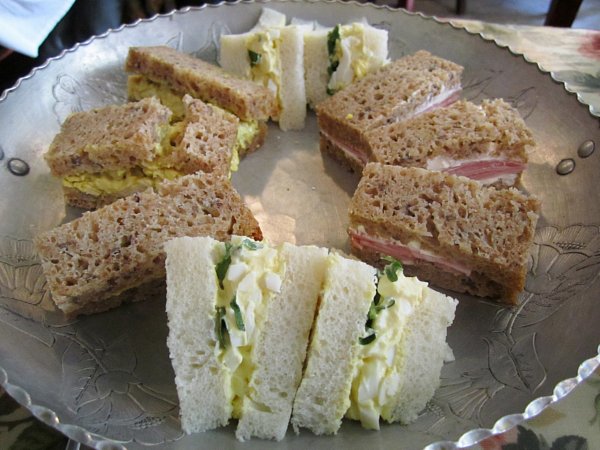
(24, 24)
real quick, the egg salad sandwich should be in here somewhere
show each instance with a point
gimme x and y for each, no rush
(89, 262)
(396, 92)
(239, 317)
(169, 74)
(336, 57)
(377, 348)
(271, 55)
(111, 152)
(449, 230)
(488, 142)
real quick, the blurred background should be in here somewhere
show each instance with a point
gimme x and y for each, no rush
(91, 17)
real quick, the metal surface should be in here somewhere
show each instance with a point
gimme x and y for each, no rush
(106, 380)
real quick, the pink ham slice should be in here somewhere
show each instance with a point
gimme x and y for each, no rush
(405, 254)
(486, 168)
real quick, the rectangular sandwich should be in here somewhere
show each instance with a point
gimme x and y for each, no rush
(239, 317)
(114, 151)
(377, 348)
(271, 55)
(396, 92)
(169, 74)
(487, 142)
(90, 261)
(336, 57)
(446, 229)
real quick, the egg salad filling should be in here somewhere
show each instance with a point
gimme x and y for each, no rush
(249, 273)
(350, 58)
(147, 174)
(265, 62)
(139, 87)
(376, 379)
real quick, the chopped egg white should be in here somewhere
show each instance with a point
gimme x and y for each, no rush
(355, 58)
(253, 276)
(265, 69)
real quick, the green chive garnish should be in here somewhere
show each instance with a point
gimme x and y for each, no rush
(367, 339)
(239, 321)
(220, 326)
(332, 37)
(223, 265)
(255, 58)
(391, 270)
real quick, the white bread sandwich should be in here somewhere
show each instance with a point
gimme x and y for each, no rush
(448, 230)
(488, 142)
(111, 152)
(90, 261)
(396, 92)
(168, 74)
(336, 57)
(239, 317)
(377, 348)
(271, 55)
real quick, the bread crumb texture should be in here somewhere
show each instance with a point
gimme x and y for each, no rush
(485, 229)
(462, 130)
(120, 246)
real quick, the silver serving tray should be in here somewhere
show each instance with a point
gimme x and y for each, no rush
(106, 380)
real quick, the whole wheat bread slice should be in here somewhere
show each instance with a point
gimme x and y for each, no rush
(88, 262)
(462, 131)
(208, 82)
(109, 138)
(481, 229)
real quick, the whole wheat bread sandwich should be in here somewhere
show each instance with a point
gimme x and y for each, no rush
(169, 74)
(446, 229)
(239, 316)
(488, 142)
(398, 91)
(111, 152)
(377, 348)
(90, 261)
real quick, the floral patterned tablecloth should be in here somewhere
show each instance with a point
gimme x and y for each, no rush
(573, 423)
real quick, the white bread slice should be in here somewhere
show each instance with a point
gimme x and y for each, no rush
(316, 62)
(191, 296)
(423, 351)
(324, 394)
(277, 333)
(292, 92)
(280, 349)
(288, 53)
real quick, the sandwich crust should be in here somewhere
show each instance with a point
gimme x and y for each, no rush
(88, 262)
(485, 230)
(208, 82)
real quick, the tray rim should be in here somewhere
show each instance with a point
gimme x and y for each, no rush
(469, 438)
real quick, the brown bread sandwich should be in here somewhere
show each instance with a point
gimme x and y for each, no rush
(90, 261)
(445, 229)
(169, 74)
(487, 142)
(111, 152)
(397, 92)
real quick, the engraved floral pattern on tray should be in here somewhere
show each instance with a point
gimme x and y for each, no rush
(100, 384)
